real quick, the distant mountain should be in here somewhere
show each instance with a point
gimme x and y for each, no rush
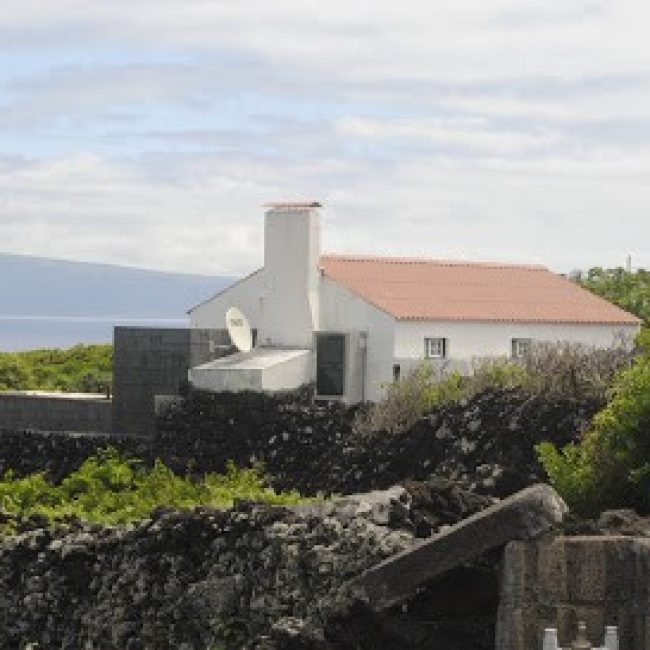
(35, 286)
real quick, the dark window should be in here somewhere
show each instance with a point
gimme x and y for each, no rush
(397, 371)
(330, 364)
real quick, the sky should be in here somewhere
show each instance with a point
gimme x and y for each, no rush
(150, 134)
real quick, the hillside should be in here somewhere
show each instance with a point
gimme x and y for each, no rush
(34, 286)
(48, 303)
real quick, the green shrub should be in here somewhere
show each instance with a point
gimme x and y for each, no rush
(642, 341)
(14, 373)
(611, 465)
(628, 289)
(408, 399)
(110, 489)
(495, 373)
(81, 368)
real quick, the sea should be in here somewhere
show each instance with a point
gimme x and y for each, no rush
(34, 332)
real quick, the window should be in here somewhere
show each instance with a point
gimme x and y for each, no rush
(521, 348)
(397, 371)
(435, 348)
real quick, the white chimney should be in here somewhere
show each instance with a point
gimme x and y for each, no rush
(289, 313)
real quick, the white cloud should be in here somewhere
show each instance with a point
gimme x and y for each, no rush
(473, 129)
(468, 134)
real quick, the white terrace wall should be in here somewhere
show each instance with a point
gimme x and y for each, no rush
(343, 311)
(470, 340)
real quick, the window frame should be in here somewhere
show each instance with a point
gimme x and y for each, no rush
(520, 347)
(440, 341)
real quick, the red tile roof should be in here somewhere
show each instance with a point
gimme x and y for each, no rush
(418, 289)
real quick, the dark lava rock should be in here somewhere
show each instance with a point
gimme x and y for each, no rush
(487, 444)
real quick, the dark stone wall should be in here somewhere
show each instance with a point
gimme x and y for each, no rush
(60, 413)
(271, 578)
(485, 445)
(154, 361)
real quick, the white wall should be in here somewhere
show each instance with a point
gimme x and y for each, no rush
(247, 295)
(343, 311)
(281, 299)
(468, 340)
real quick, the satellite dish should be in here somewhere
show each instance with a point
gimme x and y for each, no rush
(239, 330)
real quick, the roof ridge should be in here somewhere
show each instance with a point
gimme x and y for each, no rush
(431, 261)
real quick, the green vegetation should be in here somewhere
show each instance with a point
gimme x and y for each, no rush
(566, 370)
(627, 289)
(111, 489)
(409, 399)
(610, 468)
(82, 368)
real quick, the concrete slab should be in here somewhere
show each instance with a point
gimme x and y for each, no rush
(262, 369)
(523, 516)
(54, 395)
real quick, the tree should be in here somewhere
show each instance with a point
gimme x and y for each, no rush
(627, 289)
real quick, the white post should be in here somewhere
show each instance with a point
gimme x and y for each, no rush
(550, 639)
(611, 637)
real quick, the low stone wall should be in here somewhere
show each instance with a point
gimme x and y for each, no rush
(557, 582)
(47, 412)
(485, 445)
(246, 577)
(185, 581)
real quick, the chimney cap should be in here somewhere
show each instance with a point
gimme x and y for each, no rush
(292, 205)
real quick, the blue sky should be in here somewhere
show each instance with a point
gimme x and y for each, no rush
(150, 133)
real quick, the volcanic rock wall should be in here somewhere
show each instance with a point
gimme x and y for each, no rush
(485, 444)
(199, 580)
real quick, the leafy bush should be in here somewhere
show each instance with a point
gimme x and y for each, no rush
(407, 400)
(611, 466)
(82, 368)
(562, 369)
(573, 369)
(495, 373)
(109, 489)
(642, 341)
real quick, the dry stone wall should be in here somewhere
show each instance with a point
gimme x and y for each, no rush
(197, 580)
(485, 445)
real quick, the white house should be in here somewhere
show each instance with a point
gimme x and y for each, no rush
(353, 324)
